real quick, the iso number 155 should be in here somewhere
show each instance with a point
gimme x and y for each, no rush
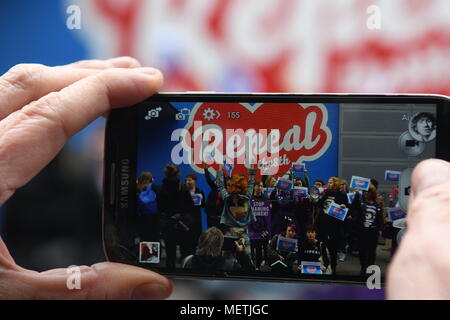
(234, 115)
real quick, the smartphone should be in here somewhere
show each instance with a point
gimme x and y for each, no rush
(265, 187)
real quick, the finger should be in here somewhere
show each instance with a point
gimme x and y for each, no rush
(106, 280)
(119, 62)
(33, 135)
(25, 83)
(429, 173)
(6, 260)
(430, 196)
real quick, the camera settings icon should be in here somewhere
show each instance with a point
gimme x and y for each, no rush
(181, 116)
(153, 113)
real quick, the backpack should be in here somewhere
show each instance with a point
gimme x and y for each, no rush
(147, 204)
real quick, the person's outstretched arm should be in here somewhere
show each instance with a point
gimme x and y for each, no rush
(251, 181)
(421, 266)
(220, 183)
(209, 180)
(40, 109)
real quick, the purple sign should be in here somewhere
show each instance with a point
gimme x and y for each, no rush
(262, 225)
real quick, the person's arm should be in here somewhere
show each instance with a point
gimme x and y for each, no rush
(245, 263)
(380, 217)
(251, 181)
(52, 105)
(203, 204)
(272, 252)
(209, 180)
(324, 254)
(305, 175)
(220, 183)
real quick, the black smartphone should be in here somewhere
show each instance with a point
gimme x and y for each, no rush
(279, 187)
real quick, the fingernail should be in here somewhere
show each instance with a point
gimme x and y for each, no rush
(150, 292)
(146, 70)
(123, 62)
(431, 173)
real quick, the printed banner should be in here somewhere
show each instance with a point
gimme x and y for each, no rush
(360, 183)
(396, 214)
(390, 175)
(337, 212)
(197, 199)
(300, 192)
(298, 168)
(284, 184)
(310, 267)
(286, 244)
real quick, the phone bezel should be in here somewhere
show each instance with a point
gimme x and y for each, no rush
(120, 168)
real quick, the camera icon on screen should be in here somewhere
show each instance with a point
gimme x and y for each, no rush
(181, 116)
(153, 113)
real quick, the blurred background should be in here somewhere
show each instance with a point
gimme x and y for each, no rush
(223, 45)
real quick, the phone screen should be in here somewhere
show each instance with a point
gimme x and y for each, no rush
(275, 190)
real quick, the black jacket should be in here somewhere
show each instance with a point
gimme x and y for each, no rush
(175, 205)
(366, 215)
(214, 202)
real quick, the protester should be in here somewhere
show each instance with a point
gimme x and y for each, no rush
(177, 210)
(281, 261)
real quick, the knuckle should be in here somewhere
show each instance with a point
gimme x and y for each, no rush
(22, 76)
(46, 108)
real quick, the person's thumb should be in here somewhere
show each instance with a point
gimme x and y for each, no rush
(430, 192)
(105, 280)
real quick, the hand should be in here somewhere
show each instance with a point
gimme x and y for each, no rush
(40, 109)
(239, 247)
(420, 268)
(343, 206)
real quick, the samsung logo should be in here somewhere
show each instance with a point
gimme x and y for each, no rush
(124, 183)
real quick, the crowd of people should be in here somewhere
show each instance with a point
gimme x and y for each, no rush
(255, 225)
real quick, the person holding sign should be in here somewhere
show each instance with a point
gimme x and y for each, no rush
(259, 230)
(298, 169)
(312, 250)
(330, 226)
(368, 216)
(283, 206)
(282, 250)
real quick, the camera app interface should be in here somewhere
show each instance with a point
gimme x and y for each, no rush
(276, 190)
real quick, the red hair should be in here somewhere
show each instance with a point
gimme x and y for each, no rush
(292, 226)
(238, 184)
